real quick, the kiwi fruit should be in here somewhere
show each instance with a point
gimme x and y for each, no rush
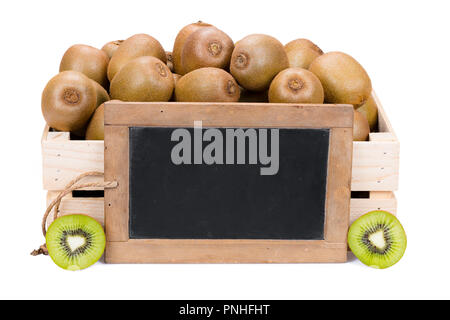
(179, 43)
(169, 63)
(143, 79)
(343, 79)
(370, 110)
(111, 47)
(361, 127)
(136, 46)
(75, 242)
(68, 101)
(88, 60)
(301, 53)
(206, 47)
(377, 239)
(176, 77)
(256, 60)
(296, 85)
(96, 127)
(207, 85)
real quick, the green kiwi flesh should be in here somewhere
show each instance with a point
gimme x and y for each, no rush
(343, 79)
(377, 239)
(361, 127)
(68, 101)
(207, 85)
(256, 60)
(88, 60)
(143, 79)
(296, 85)
(111, 47)
(136, 46)
(301, 53)
(370, 110)
(75, 242)
(206, 47)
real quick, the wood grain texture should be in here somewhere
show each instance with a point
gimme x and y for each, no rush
(224, 251)
(116, 169)
(260, 115)
(338, 185)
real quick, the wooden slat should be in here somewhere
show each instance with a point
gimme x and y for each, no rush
(338, 185)
(116, 169)
(224, 251)
(228, 115)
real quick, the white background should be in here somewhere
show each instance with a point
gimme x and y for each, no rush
(404, 46)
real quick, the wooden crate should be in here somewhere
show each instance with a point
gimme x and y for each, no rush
(375, 172)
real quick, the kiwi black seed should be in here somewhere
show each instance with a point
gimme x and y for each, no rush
(301, 53)
(296, 85)
(68, 101)
(377, 239)
(75, 242)
(207, 85)
(361, 127)
(151, 81)
(111, 47)
(180, 40)
(136, 46)
(88, 60)
(206, 47)
(256, 60)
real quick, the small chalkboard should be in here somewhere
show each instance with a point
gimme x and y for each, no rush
(211, 183)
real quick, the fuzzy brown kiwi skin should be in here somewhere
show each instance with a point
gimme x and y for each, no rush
(296, 85)
(370, 110)
(96, 127)
(343, 79)
(170, 60)
(111, 47)
(180, 40)
(207, 85)
(68, 101)
(152, 81)
(136, 46)
(206, 47)
(256, 60)
(88, 60)
(176, 77)
(302, 52)
(361, 127)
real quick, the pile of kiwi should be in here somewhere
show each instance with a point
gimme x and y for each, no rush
(205, 65)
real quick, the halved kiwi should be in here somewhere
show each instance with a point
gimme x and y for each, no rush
(75, 242)
(377, 239)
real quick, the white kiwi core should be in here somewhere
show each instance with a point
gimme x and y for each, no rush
(75, 242)
(377, 239)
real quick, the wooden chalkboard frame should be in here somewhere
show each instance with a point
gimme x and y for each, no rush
(120, 116)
